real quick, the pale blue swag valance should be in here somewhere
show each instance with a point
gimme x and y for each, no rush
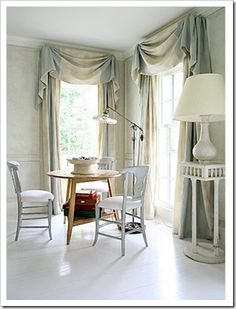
(73, 66)
(168, 48)
(187, 42)
(77, 66)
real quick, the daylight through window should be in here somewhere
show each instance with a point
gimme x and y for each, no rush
(169, 90)
(78, 132)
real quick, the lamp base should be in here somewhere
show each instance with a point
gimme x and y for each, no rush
(204, 150)
(129, 226)
(205, 253)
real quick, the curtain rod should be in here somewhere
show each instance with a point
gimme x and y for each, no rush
(206, 12)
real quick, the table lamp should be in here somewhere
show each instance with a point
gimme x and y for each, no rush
(202, 100)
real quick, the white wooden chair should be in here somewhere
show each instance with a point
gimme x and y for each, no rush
(125, 204)
(29, 200)
(105, 163)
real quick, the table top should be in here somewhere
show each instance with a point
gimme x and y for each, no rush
(99, 175)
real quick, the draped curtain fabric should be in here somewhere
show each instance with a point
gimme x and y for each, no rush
(73, 66)
(106, 133)
(50, 138)
(185, 42)
(148, 85)
(150, 58)
(155, 55)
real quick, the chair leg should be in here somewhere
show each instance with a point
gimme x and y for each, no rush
(123, 233)
(143, 228)
(17, 229)
(18, 220)
(50, 219)
(97, 211)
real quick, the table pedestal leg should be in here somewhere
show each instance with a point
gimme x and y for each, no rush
(112, 193)
(68, 194)
(71, 209)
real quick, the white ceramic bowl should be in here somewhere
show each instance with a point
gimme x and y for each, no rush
(84, 166)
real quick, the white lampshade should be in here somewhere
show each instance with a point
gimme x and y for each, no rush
(202, 95)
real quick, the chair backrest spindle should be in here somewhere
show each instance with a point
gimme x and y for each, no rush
(13, 167)
(140, 180)
(106, 163)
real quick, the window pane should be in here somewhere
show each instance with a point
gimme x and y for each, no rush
(173, 164)
(163, 139)
(164, 164)
(163, 192)
(170, 88)
(167, 88)
(172, 192)
(174, 138)
(78, 132)
(178, 84)
(166, 112)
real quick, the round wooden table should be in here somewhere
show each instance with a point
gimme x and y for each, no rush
(72, 180)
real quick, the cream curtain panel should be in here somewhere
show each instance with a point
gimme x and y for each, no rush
(106, 133)
(150, 58)
(50, 136)
(185, 41)
(74, 66)
(148, 87)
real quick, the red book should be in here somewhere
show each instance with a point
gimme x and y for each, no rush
(86, 194)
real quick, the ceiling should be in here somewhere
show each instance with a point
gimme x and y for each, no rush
(114, 28)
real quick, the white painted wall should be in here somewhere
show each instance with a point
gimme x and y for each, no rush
(23, 133)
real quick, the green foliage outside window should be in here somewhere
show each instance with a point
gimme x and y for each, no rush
(78, 131)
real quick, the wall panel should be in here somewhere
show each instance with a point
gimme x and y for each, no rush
(23, 119)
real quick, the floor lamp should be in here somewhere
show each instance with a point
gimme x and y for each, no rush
(105, 118)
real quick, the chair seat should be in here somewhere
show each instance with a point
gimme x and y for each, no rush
(100, 186)
(36, 196)
(115, 202)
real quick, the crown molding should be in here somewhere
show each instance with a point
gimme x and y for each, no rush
(37, 44)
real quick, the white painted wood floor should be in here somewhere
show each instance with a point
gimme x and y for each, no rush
(39, 269)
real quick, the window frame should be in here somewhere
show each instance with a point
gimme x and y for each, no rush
(169, 151)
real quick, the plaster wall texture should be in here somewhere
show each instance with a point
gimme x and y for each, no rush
(23, 122)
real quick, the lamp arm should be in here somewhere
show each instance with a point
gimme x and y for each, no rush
(133, 123)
